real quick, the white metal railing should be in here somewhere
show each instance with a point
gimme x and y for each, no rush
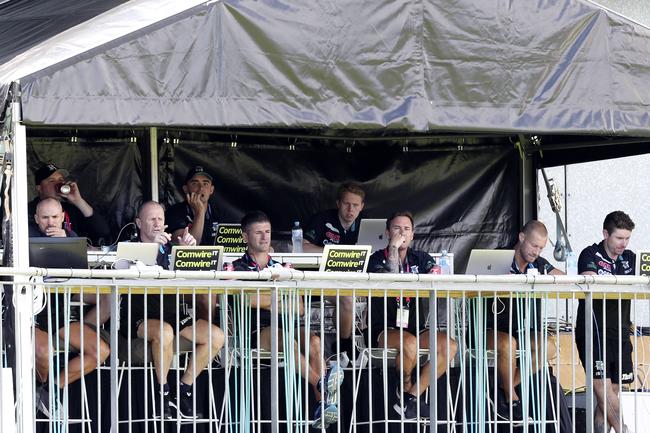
(232, 388)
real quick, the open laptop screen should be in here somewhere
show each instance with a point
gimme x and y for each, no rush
(65, 253)
(490, 262)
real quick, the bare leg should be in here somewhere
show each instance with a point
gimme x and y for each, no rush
(102, 304)
(42, 354)
(203, 350)
(607, 396)
(311, 371)
(406, 345)
(160, 339)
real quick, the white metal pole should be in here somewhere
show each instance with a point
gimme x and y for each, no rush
(23, 293)
(153, 163)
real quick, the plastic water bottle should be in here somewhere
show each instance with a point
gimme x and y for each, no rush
(445, 264)
(571, 263)
(296, 237)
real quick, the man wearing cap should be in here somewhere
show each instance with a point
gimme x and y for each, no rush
(196, 211)
(78, 215)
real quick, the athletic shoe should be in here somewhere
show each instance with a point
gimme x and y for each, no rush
(409, 409)
(166, 410)
(333, 380)
(324, 419)
(183, 405)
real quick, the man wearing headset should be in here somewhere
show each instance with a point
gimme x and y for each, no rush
(609, 257)
(531, 241)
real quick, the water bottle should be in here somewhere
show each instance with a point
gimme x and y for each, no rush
(296, 237)
(571, 263)
(445, 264)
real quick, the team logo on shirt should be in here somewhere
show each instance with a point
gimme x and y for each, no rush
(415, 269)
(605, 266)
(331, 227)
(333, 238)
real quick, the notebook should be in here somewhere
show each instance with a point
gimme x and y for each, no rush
(65, 253)
(373, 232)
(490, 262)
(145, 252)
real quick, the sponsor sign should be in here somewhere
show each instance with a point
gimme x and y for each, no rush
(230, 238)
(345, 258)
(643, 263)
(197, 258)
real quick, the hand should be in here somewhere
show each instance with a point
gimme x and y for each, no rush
(55, 232)
(197, 202)
(162, 237)
(186, 239)
(74, 196)
(396, 241)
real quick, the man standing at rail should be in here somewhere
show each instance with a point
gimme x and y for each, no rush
(530, 243)
(159, 326)
(256, 229)
(48, 223)
(338, 226)
(195, 212)
(609, 257)
(404, 326)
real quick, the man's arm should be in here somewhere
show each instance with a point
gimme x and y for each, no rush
(264, 302)
(556, 271)
(308, 247)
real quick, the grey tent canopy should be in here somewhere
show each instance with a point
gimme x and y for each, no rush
(563, 67)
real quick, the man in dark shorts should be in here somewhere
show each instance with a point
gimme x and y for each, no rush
(405, 320)
(531, 242)
(157, 327)
(609, 257)
(256, 229)
(195, 212)
(338, 226)
(54, 317)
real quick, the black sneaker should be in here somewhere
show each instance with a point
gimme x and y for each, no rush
(407, 407)
(166, 410)
(42, 398)
(503, 411)
(184, 405)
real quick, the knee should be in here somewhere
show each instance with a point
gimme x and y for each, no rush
(217, 338)
(452, 346)
(409, 349)
(103, 352)
(346, 303)
(164, 336)
(506, 344)
(314, 345)
(42, 353)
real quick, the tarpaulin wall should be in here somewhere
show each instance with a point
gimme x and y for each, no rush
(461, 199)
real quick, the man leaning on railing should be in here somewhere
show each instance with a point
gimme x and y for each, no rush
(609, 257)
(159, 326)
(405, 322)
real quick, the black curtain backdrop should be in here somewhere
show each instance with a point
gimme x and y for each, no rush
(461, 199)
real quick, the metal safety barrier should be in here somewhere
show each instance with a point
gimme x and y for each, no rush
(272, 351)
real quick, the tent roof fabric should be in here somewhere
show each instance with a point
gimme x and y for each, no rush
(25, 23)
(566, 66)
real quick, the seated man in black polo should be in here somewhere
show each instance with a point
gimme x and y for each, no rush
(531, 242)
(160, 325)
(48, 223)
(196, 212)
(256, 229)
(338, 226)
(405, 321)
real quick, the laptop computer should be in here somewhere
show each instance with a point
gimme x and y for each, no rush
(196, 258)
(64, 253)
(145, 252)
(490, 262)
(372, 232)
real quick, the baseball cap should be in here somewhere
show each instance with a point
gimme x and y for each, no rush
(47, 170)
(197, 170)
